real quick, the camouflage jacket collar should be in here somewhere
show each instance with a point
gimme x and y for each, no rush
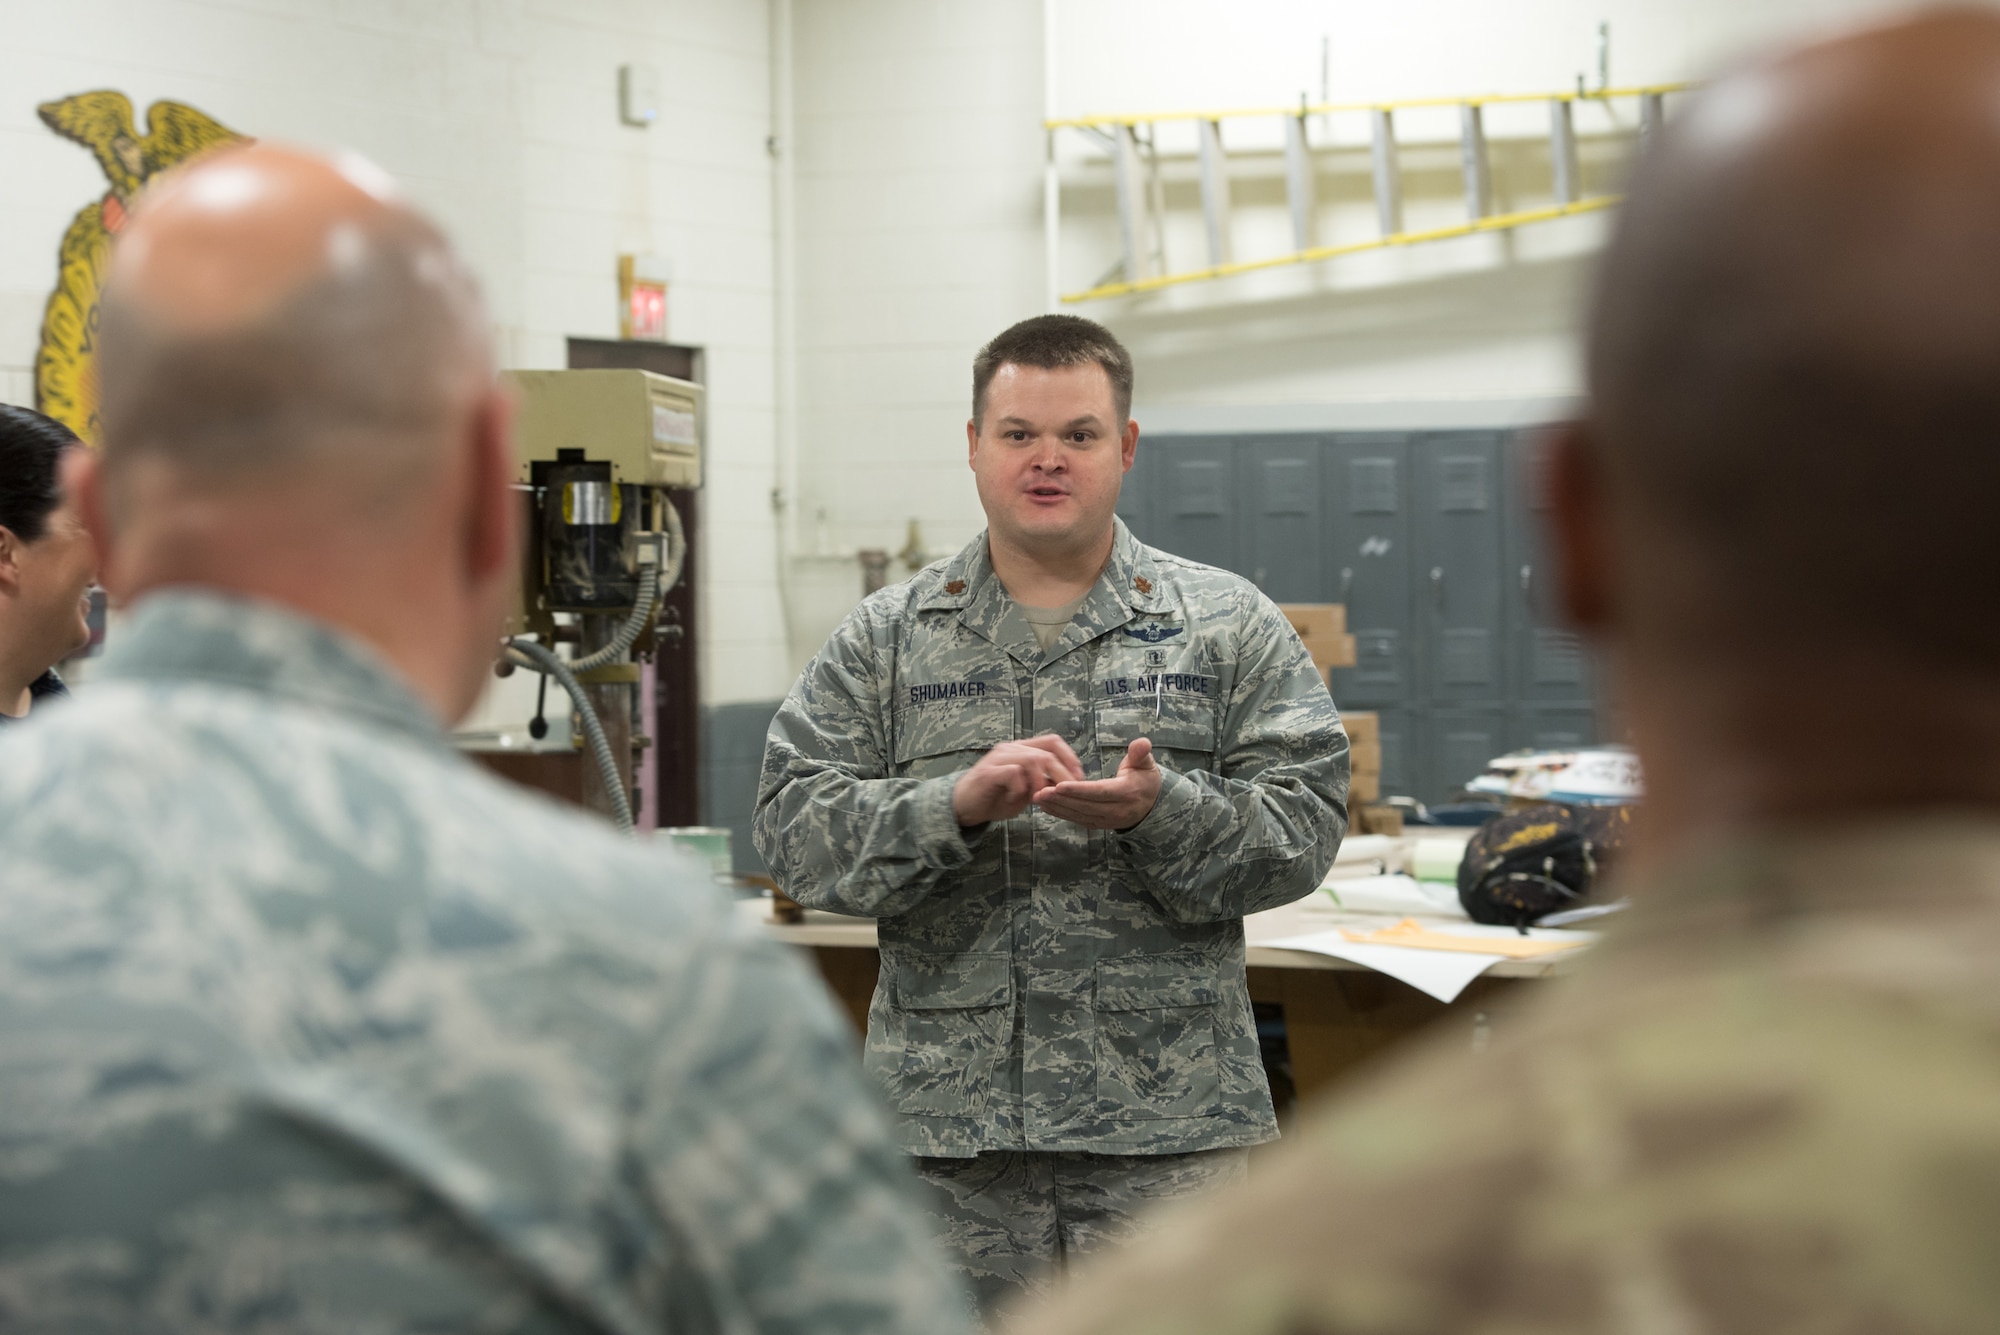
(226, 640)
(1130, 585)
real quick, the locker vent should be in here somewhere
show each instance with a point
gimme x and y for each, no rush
(1376, 659)
(1462, 483)
(1558, 658)
(1288, 487)
(1371, 486)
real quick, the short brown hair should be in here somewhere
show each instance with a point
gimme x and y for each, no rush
(1052, 342)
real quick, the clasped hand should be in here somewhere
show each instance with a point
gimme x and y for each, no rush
(1044, 772)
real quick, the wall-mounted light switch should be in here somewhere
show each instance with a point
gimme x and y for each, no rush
(638, 94)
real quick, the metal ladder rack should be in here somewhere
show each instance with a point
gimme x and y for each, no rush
(1132, 145)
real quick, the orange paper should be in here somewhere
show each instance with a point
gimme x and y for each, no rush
(1410, 932)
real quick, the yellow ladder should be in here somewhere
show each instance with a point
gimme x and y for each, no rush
(1132, 144)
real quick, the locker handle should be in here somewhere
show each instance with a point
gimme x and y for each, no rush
(1437, 585)
(1528, 583)
(1346, 582)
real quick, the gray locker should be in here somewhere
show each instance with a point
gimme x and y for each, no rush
(1459, 537)
(1284, 541)
(1398, 745)
(1135, 496)
(1551, 727)
(1432, 540)
(1546, 661)
(1196, 513)
(1458, 744)
(1368, 554)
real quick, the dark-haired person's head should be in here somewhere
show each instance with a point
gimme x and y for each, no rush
(1781, 509)
(1051, 434)
(46, 559)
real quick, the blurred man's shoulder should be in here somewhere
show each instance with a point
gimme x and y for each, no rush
(419, 1020)
(194, 778)
(1724, 1128)
(1705, 1133)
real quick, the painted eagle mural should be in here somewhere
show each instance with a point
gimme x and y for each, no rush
(65, 371)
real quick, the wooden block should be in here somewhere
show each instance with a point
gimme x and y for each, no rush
(1316, 620)
(1339, 651)
(1364, 755)
(1378, 820)
(1364, 787)
(1363, 726)
(1329, 654)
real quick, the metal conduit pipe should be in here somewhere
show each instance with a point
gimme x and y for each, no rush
(538, 657)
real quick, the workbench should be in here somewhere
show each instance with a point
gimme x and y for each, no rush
(1337, 1014)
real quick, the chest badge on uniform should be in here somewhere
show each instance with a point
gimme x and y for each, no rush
(1156, 658)
(1152, 632)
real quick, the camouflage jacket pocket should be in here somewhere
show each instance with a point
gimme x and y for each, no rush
(1156, 1054)
(946, 736)
(1182, 729)
(955, 1016)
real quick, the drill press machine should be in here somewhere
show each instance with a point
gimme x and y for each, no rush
(601, 454)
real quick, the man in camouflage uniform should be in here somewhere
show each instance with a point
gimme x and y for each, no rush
(305, 1023)
(1058, 768)
(1770, 1102)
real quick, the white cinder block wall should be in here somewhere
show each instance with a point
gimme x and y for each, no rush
(501, 118)
(919, 150)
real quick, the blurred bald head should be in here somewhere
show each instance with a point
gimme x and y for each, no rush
(299, 406)
(1795, 354)
(270, 314)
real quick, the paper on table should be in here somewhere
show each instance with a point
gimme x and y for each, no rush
(1374, 852)
(1393, 894)
(1442, 973)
